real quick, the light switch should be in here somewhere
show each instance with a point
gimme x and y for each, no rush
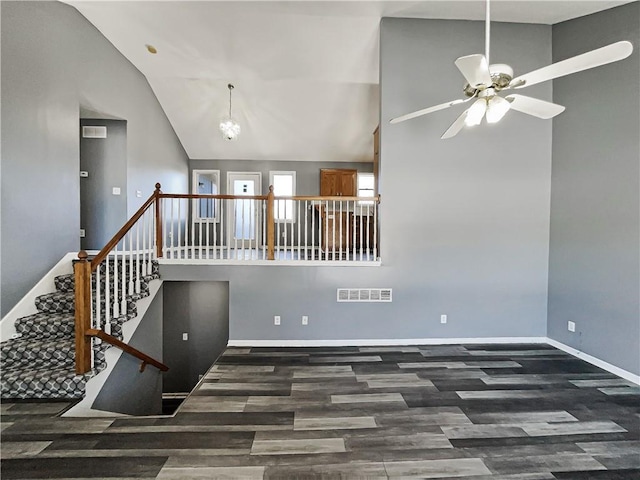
(185, 336)
(116, 190)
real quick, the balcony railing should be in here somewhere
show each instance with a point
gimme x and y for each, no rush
(228, 228)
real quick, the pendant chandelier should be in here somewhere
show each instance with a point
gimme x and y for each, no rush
(228, 126)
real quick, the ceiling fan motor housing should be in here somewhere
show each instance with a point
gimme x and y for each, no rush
(501, 76)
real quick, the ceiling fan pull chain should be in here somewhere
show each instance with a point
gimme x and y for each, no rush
(487, 33)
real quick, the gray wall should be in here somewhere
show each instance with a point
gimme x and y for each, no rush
(200, 309)
(465, 223)
(127, 390)
(594, 261)
(102, 214)
(53, 63)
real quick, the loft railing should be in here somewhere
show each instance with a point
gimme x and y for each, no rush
(219, 228)
(213, 229)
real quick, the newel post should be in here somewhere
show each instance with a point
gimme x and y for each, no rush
(270, 224)
(82, 273)
(158, 221)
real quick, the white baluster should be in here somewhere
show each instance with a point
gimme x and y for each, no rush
(340, 231)
(98, 299)
(264, 229)
(107, 293)
(138, 270)
(116, 304)
(361, 232)
(131, 279)
(123, 274)
(375, 231)
(297, 210)
(179, 228)
(313, 233)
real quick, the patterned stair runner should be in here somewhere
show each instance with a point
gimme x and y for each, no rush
(41, 362)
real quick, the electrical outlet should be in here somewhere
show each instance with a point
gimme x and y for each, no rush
(276, 320)
(139, 193)
(82, 233)
(443, 319)
(571, 326)
(185, 336)
(305, 320)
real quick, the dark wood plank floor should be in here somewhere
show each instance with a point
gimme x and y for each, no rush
(522, 412)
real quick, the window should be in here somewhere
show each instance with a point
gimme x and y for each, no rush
(365, 187)
(284, 185)
(206, 182)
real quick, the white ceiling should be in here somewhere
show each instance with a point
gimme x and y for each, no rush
(305, 72)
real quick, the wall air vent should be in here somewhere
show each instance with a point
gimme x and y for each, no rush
(94, 132)
(364, 295)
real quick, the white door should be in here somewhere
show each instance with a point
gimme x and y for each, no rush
(244, 217)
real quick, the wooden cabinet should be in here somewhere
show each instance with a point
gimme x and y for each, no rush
(338, 182)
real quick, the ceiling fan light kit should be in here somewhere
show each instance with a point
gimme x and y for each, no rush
(485, 82)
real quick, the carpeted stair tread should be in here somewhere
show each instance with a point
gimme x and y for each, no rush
(45, 382)
(45, 326)
(66, 283)
(31, 351)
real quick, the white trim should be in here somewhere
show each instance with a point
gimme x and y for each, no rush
(112, 355)
(27, 306)
(381, 342)
(292, 174)
(194, 203)
(595, 361)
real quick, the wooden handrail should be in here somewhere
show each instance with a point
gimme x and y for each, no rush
(97, 260)
(125, 347)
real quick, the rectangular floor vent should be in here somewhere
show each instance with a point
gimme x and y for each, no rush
(94, 132)
(364, 295)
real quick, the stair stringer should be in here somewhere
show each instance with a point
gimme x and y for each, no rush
(26, 306)
(94, 385)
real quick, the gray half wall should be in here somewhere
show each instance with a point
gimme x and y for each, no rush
(464, 223)
(594, 262)
(54, 62)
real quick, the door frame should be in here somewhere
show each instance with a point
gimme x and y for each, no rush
(231, 240)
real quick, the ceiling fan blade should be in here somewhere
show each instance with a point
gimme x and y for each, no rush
(424, 111)
(594, 58)
(533, 106)
(456, 126)
(475, 69)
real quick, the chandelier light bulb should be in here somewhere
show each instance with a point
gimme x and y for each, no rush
(228, 126)
(476, 112)
(496, 109)
(230, 129)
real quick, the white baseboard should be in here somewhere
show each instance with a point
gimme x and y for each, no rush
(595, 361)
(382, 342)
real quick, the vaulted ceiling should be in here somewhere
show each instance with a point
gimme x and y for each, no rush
(305, 72)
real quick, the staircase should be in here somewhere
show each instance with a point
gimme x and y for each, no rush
(40, 363)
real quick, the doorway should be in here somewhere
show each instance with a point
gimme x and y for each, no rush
(103, 181)
(244, 217)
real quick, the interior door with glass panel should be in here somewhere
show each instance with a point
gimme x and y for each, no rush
(244, 216)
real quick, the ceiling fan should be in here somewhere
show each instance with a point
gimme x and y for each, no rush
(486, 82)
